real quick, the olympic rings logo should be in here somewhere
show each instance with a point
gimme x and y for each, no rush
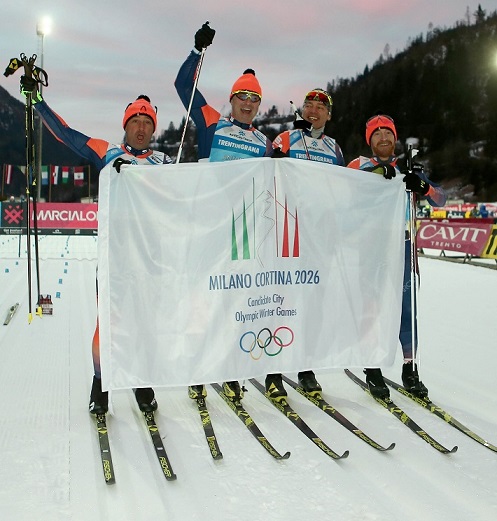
(282, 337)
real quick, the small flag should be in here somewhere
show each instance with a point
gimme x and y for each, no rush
(44, 175)
(55, 174)
(65, 174)
(8, 174)
(79, 175)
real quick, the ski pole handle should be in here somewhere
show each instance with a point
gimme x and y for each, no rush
(197, 75)
(298, 117)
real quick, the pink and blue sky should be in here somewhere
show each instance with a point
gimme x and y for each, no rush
(100, 56)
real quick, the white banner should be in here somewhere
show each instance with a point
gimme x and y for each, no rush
(224, 271)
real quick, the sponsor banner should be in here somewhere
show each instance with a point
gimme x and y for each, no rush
(12, 231)
(490, 250)
(221, 271)
(66, 215)
(464, 237)
(66, 218)
(13, 215)
(48, 231)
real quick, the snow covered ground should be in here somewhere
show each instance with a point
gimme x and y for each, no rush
(50, 468)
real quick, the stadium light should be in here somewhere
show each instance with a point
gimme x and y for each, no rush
(43, 28)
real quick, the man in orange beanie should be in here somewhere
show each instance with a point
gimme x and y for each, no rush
(222, 138)
(139, 124)
(381, 136)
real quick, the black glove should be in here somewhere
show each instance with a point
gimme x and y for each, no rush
(204, 37)
(119, 162)
(387, 171)
(415, 184)
(278, 153)
(30, 86)
(301, 124)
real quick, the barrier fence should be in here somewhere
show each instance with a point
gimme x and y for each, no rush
(52, 218)
(474, 237)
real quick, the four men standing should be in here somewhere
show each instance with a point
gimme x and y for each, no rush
(232, 138)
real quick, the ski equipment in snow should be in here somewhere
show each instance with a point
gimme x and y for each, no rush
(10, 313)
(411, 152)
(402, 416)
(438, 411)
(187, 118)
(275, 388)
(160, 450)
(105, 454)
(37, 75)
(298, 118)
(376, 384)
(245, 417)
(210, 436)
(145, 398)
(411, 381)
(99, 400)
(283, 406)
(342, 420)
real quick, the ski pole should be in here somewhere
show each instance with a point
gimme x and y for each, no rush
(34, 186)
(29, 173)
(413, 260)
(32, 175)
(31, 71)
(302, 137)
(197, 75)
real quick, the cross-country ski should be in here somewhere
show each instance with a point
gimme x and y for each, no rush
(10, 314)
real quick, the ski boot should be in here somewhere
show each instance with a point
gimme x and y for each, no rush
(308, 382)
(99, 400)
(145, 397)
(275, 390)
(377, 386)
(233, 391)
(197, 391)
(411, 381)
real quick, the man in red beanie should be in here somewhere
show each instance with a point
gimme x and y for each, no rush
(381, 136)
(139, 124)
(222, 138)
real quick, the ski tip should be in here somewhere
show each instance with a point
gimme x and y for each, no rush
(391, 446)
(344, 455)
(286, 455)
(454, 449)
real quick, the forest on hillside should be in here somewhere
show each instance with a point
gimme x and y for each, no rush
(441, 89)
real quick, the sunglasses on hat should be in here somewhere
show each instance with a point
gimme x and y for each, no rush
(245, 95)
(319, 95)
